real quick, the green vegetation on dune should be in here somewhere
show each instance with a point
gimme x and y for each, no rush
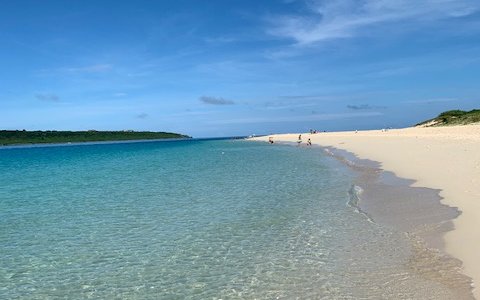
(16, 137)
(453, 117)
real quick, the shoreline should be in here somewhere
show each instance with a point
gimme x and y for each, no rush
(389, 201)
(445, 159)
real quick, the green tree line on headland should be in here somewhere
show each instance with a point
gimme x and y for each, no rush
(17, 137)
(453, 117)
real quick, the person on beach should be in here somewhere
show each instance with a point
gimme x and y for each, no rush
(309, 142)
(270, 140)
(299, 139)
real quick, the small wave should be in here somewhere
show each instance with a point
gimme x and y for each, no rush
(328, 151)
(354, 193)
(341, 158)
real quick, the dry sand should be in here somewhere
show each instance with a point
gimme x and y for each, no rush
(445, 158)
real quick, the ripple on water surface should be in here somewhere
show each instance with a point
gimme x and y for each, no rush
(193, 219)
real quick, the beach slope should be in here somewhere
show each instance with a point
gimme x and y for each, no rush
(444, 158)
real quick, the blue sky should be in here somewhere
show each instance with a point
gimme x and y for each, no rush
(220, 68)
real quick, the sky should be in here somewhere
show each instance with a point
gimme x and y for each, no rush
(236, 67)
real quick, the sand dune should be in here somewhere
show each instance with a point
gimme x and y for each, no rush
(445, 158)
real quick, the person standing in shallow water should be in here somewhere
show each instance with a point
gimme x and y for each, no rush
(299, 139)
(309, 142)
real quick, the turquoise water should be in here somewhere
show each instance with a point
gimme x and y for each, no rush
(192, 220)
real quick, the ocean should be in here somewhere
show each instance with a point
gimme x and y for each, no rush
(203, 219)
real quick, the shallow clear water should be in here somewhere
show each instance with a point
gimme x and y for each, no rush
(193, 220)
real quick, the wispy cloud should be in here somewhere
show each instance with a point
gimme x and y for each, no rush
(81, 70)
(220, 40)
(142, 116)
(359, 107)
(47, 97)
(364, 107)
(430, 101)
(332, 19)
(305, 97)
(97, 68)
(287, 105)
(294, 119)
(216, 100)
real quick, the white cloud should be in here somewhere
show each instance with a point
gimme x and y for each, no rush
(77, 70)
(220, 40)
(98, 68)
(332, 19)
(430, 101)
(295, 119)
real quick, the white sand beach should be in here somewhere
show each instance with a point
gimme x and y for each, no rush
(444, 158)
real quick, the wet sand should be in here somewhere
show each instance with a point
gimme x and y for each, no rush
(441, 166)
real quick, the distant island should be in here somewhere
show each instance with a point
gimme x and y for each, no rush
(19, 137)
(453, 117)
